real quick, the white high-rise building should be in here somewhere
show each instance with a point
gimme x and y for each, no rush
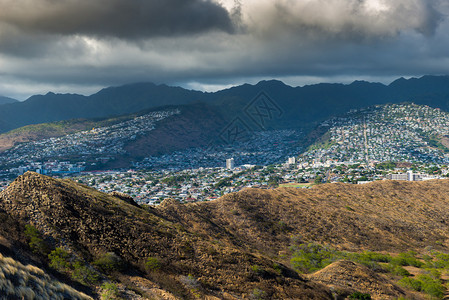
(409, 176)
(230, 164)
(291, 160)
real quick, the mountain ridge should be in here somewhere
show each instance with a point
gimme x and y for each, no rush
(58, 107)
(7, 100)
(302, 106)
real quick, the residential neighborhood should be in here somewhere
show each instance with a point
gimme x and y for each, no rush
(96, 144)
(391, 142)
(399, 132)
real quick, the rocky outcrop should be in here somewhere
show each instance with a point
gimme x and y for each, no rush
(125, 197)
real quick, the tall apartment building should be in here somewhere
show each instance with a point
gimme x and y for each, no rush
(230, 164)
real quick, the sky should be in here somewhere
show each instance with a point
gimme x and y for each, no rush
(81, 46)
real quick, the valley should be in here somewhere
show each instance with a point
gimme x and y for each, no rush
(144, 205)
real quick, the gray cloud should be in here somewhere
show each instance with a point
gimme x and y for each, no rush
(128, 19)
(343, 19)
(248, 41)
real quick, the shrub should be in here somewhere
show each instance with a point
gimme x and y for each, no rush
(432, 285)
(258, 294)
(109, 262)
(425, 283)
(278, 268)
(411, 283)
(374, 256)
(397, 270)
(257, 269)
(84, 274)
(360, 296)
(109, 291)
(152, 264)
(36, 241)
(369, 259)
(442, 261)
(407, 259)
(312, 257)
(190, 281)
(59, 260)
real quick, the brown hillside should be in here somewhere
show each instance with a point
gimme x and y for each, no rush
(236, 247)
(91, 223)
(381, 216)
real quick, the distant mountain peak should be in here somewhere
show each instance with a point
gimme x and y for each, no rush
(272, 83)
(362, 82)
(6, 100)
(398, 82)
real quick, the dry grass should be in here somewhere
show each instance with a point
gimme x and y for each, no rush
(382, 216)
(29, 282)
(231, 245)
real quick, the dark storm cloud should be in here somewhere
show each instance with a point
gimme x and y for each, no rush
(128, 19)
(77, 46)
(344, 19)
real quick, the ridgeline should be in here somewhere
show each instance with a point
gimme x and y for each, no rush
(243, 245)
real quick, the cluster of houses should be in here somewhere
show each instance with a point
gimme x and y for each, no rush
(86, 145)
(399, 132)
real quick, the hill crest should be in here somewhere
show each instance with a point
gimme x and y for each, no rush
(238, 244)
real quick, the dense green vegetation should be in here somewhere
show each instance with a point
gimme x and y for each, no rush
(428, 283)
(308, 258)
(64, 262)
(109, 262)
(109, 291)
(360, 296)
(36, 240)
(311, 257)
(386, 166)
(152, 264)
